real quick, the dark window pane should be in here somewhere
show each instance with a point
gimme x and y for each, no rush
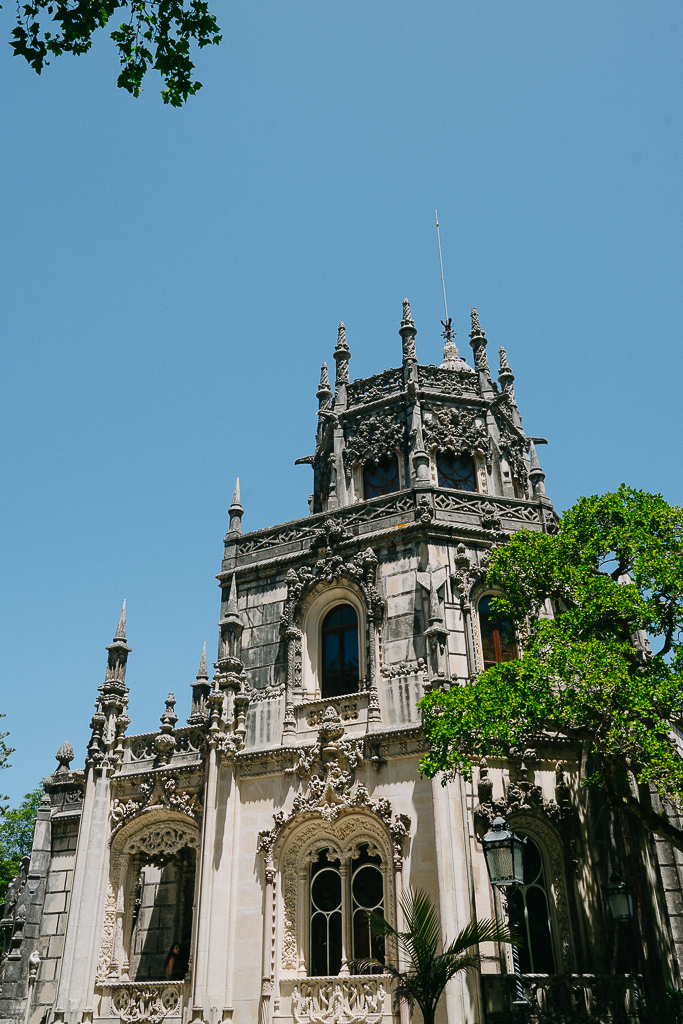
(332, 646)
(319, 944)
(340, 667)
(456, 472)
(335, 940)
(326, 890)
(368, 889)
(539, 931)
(361, 935)
(351, 658)
(517, 901)
(380, 478)
(497, 635)
(532, 863)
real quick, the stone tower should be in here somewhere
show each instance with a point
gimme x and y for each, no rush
(221, 870)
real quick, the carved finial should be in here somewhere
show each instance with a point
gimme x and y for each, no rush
(536, 474)
(476, 327)
(121, 628)
(505, 375)
(324, 392)
(169, 717)
(342, 355)
(232, 611)
(504, 365)
(407, 316)
(203, 671)
(408, 331)
(65, 756)
(236, 511)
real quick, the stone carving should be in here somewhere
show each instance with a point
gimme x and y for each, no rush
(187, 740)
(514, 448)
(342, 356)
(14, 912)
(156, 790)
(33, 965)
(490, 519)
(372, 388)
(362, 570)
(373, 438)
(145, 1004)
(161, 841)
(339, 1000)
(329, 536)
(347, 710)
(448, 428)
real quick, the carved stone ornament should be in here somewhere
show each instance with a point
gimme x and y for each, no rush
(156, 790)
(339, 1000)
(145, 1003)
(514, 450)
(468, 572)
(331, 745)
(373, 438)
(361, 570)
(451, 429)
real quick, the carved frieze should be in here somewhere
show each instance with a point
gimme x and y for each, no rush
(157, 789)
(448, 428)
(373, 438)
(339, 1000)
(145, 1004)
(370, 389)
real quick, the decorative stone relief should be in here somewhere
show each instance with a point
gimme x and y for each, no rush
(146, 1004)
(156, 790)
(339, 1000)
(373, 388)
(514, 448)
(448, 428)
(373, 438)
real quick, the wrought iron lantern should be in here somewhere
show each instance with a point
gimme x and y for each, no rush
(619, 898)
(504, 855)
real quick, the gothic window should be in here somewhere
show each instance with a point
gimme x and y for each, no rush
(497, 635)
(380, 478)
(531, 902)
(338, 894)
(456, 471)
(340, 666)
(162, 917)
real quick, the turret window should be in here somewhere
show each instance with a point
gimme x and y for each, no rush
(497, 635)
(456, 471)
(340, 664)
(380, 478)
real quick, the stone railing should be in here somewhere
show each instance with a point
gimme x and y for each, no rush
(147, 1002)
(563, 998)
(362, 999)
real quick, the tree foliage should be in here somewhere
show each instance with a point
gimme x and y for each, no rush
(428, 971)
(155, 33)
(16, 836)
(583, 603)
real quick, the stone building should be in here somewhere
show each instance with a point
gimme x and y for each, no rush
(220, 870)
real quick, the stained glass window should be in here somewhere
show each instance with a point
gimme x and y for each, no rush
(380, 478)
(456, 471)
(497, 636)
(340, 668)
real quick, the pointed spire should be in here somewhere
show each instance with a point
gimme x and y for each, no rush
(478, 343)
(342, 354)
(236, 511)
(408, 331)
(232, 610)
(324, 392)
(476, 327)
(203, 672)
(536, 474)
(121, 628)
(505, 375)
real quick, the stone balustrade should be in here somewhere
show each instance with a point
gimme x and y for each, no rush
(364, 999)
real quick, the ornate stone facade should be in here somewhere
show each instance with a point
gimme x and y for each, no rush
(171, 878)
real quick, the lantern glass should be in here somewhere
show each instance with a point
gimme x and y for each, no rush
(504, 855)
(619, 898)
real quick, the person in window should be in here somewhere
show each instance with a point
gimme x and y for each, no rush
(340, 665)
(497, 635)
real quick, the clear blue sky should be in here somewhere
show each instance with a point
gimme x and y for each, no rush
(172, 279)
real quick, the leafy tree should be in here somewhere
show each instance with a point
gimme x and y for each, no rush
(612, 576)
(5, 752)
(16, 836)
(156, 33)
(428, 971)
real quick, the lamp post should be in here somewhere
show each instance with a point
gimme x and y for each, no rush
(504, 851)
(621, 904)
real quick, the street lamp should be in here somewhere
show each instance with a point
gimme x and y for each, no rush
(621, 904)
(504, 852)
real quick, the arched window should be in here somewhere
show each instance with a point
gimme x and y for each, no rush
(537, 955)
(497, 636)
(340, 666)
(380, 478)
(356, 891)
(456, 471)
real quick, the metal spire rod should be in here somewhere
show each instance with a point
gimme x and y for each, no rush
(438, 238)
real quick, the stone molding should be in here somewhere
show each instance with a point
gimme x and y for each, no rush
(338, 1000)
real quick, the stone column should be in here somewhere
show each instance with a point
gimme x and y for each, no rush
(346, 918)
(404, 1009)
(201, 949)
(266, 981)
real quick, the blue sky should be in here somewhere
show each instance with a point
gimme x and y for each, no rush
(171, 280)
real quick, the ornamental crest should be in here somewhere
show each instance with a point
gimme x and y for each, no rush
(450, 429)
(373, 438)
(156, 790)
(361, 570)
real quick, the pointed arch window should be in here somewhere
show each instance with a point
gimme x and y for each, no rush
(532, 903)
(497, 635)
(381, 478)
(340, 661)
(456, 471)
(344, 892)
